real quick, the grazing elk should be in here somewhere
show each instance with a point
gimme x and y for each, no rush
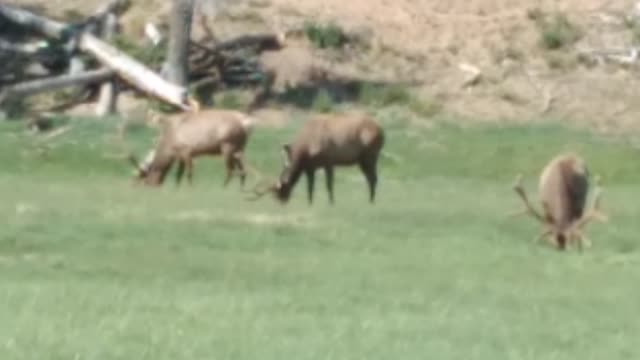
(189, 135)
(327, 141)
(563, 188)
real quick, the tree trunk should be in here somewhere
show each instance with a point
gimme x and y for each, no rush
(177, 66)
(107, 101)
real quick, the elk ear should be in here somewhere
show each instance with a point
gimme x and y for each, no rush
(286, 154)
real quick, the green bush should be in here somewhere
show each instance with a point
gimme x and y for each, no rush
(557, 31)
(323, 102)
(325, 36)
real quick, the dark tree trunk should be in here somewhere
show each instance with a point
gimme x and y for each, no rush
(177, 66)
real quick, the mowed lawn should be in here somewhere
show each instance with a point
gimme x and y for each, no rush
(94, 268)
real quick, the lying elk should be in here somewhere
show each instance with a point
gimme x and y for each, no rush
(563, 188)
(189, 135)
(327, 141)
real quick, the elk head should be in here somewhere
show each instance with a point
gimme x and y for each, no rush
(152, 170)
(563, 188)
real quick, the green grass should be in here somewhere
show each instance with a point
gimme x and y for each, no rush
(93, 268)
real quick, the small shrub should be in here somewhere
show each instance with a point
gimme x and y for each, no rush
(323, 102)
(325, 36)
(557, 31)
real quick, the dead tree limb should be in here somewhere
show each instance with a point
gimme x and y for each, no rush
(53, 83)
(24, 49)
(125, 66)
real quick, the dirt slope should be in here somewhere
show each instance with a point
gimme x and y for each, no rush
(428, 40)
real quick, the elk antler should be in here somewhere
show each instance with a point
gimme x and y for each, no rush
(260, 190)
(519, 189)
(134, 161)
(594, 213)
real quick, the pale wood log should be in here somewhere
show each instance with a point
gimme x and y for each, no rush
(125, 66)
(54, 83)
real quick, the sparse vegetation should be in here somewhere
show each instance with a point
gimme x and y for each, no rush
(325, 36)
(397, 95)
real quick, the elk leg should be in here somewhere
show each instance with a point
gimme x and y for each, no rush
(229, 161)
(179, 172)
(239, 165)
(328, 174)
(370, 172)
(189, 166)
(310, 184)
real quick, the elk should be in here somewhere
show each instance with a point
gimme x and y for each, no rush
(189, 135)
(563, 187)
(328, 141)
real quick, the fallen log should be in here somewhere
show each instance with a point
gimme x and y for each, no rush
(125, 66)
(54, 83)
(25, 49)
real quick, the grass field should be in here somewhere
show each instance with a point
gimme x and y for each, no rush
(93, 268)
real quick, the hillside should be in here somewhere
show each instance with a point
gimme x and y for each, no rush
(427, 41)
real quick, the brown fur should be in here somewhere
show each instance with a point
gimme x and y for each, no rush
(563, 187)
(327, 141)
(189, 135)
